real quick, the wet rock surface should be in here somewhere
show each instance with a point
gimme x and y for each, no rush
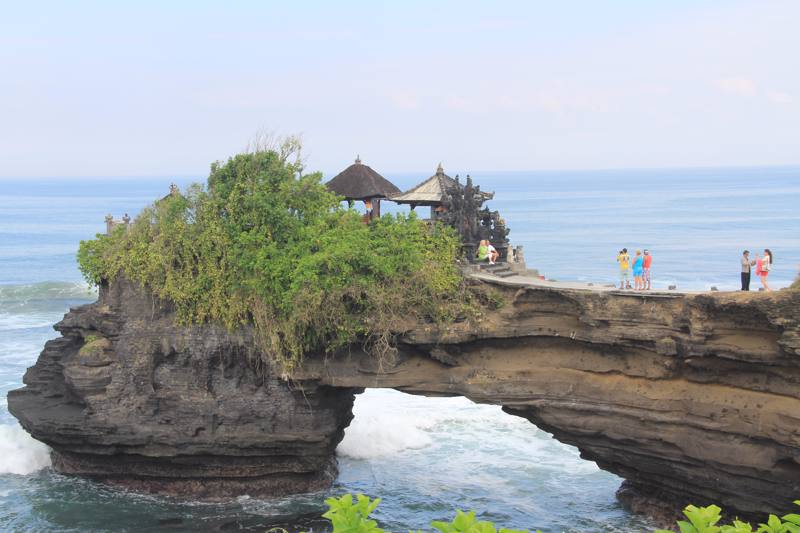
(690, 398)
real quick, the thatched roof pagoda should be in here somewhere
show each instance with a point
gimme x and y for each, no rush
(360, 182)
(432, 191)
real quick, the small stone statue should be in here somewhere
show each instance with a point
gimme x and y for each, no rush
(519, 256)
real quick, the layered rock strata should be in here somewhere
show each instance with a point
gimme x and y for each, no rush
(688, 397)
(128, 397)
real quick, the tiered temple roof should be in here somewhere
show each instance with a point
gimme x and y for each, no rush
(432, 191)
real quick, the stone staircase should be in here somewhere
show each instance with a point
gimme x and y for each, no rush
(501, 270)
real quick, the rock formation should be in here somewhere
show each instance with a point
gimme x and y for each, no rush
(150, 405)
(690, 398)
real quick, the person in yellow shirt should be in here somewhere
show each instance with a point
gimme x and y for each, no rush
(624, 261)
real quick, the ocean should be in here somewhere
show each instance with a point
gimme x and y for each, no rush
(425, 457)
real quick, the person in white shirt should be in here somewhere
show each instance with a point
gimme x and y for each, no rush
(493, 254)
(747, 263)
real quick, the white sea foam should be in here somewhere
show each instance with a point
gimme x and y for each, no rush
(20, 453)
(382, 426)
(387, 423)
(11, 322)
(371, 436)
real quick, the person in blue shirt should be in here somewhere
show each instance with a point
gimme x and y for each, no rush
(638, 271)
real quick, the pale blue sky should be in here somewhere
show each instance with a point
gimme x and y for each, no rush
(161, 88)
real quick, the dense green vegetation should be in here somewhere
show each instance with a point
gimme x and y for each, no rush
(262, 243)
(353, 516)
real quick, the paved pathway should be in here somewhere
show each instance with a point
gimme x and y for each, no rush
(521, 280)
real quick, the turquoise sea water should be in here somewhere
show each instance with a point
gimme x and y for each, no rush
(425, 456)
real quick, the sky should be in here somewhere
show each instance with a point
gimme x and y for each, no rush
(164, 88)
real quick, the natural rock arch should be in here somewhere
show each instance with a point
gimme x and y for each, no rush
(688, 397)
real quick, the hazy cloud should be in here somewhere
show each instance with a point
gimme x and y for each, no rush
(403, 100)
(780, 97)
(737, 85)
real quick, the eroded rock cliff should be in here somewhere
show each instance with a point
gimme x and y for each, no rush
(150, 405)
(688, 397)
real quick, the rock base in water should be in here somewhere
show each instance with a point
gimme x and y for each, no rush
(129, 398)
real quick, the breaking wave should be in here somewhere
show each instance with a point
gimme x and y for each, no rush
(20, 453)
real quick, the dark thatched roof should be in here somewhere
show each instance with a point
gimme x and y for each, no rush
(360, 182)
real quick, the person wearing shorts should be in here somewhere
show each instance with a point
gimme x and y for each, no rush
(624, 261)
(648, 260)
(638, 271)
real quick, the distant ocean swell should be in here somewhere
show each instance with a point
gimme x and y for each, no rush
(47, 290)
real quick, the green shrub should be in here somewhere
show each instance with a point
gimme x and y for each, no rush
(266, 245)
(704, 520)
(352, 517)
(348, 516)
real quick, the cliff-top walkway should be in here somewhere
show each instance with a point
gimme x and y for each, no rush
(532, 280)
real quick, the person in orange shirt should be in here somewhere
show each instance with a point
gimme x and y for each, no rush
(648, 260)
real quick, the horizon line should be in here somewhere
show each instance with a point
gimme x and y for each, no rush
(538, 170)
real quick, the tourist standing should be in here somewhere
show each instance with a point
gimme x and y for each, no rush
(638, 271)
(747, 263)
(766, 266)
(624, 261)
(648, 260)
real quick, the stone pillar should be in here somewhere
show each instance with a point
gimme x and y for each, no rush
(517, 263)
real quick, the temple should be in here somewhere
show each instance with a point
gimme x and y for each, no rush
(461, 207)
(452, 203)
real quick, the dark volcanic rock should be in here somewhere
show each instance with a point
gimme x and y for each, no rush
(179, 410)
(690, 398)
